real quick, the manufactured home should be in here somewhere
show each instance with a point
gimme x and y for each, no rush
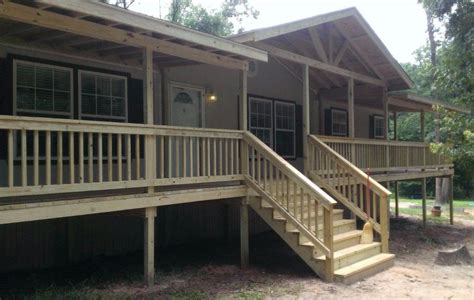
(121, 132)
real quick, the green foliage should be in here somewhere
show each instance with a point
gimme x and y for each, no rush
(219, 22)
(119, 3)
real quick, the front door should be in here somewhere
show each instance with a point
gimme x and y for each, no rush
(186, 105)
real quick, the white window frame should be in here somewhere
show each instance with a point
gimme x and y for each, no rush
(276, 102)
(380, 118)
(338, 111)
(252, 98)
(69, 114)
(96, 116)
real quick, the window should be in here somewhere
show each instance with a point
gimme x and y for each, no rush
(42, 89)
(285, 129)
(379, 127)
(102, 96)
(338, 122)
(261, 119)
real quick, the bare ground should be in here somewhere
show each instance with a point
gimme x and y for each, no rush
(201, 272)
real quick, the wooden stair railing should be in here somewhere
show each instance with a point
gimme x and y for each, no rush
(356, 190)
(289, 192)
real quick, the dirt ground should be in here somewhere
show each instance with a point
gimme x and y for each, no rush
(203, 272)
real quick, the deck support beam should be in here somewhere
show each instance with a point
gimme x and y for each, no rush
(451, 199)
(244, 233)
(396, 199)
(149, 245)
(306, 118)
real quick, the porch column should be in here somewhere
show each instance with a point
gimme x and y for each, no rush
(150, 168)
(306, 118)
(386, 133)
(244, 208)
(149, 245)
(350, 110)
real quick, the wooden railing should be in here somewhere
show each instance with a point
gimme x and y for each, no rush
(295, 196)
(361, 194)
(381, 154)
(48, 156)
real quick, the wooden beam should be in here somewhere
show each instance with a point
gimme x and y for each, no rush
(306, 118)
(56, 21)
(244, 233)
(243, 100)
(318, 45)
(127, 17)
(293, 73)
(396, 199)
(341, 53)
(423, 200)
(395, 131)
(422, 126)
(149, 246)
(300, 59)
(350, 107)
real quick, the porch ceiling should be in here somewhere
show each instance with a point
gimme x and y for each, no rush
(104, 32)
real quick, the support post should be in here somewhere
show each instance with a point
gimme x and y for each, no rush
(149, 246)
(451, 200)
(396, 199)
(306, 118)
(384, 223)
(244, 233)
(423, 199)
(395, 133)
(150, 169)
(350, 109)
(386, 133)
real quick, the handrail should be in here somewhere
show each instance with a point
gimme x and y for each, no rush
(363, 141)
(290, 170)
(292, 194)
(352, 187)
(358, 172)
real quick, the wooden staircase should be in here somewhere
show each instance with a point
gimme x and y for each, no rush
(303, 215)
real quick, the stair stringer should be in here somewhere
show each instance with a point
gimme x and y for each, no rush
(292, 239)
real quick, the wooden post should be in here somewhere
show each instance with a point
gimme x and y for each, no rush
(306, 118)
(395, 134)
(243, 100)
(384, 226)
(350, 109)
(328, 237)
(149, 245)
(386, 133)
(150, 169)
(423, 199)
(244, 233)
(396, 198)
(451, 200)
(422, 126)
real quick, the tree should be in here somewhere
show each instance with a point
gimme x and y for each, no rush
(125, 4)
(218, 21)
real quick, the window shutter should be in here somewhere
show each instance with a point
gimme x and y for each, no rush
(135, 102)
(327, 122)
(299, 130)
(371, 127)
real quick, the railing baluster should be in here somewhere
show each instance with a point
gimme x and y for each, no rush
(24, 165)
(198, 157)
(90, 156)
(110, 158)
(36, 157)
(226, 156)
(129, 157)
(214, 155)
(220, 157)
(48, 157)
(119, 156)
(232, 156)
(191, 157)
(137, 156)
(100, 159)
(72, 175)
(208, 150)
(81, 157)
(183, 142)
(170, 157)
(59, 158)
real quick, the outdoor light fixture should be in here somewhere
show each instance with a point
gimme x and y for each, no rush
(211, 95)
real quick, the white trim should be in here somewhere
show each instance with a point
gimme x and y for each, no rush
(334, 110)
(69, 114)
(97, 116)
(285, 130)
(174, 84)
(375, 128)
(271, 128)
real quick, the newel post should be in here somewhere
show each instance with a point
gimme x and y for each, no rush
(329, 243)
(384, 219)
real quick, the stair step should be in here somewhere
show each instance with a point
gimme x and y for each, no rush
(340, 226)
(347, 239)
(337, 215)
(353, 254)
(364, 268)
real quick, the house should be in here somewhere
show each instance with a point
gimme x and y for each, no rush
(120, 132)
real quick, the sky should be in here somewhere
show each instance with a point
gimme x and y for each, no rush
(400, 24)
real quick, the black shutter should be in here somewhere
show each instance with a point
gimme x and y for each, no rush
(371, 127)
(299, 130)
(135, 101)
(327, 121)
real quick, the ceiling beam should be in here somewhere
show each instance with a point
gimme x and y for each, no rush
(25, 14)
(300, 59)
(293, 72)
(318, 45)
(340, 53)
